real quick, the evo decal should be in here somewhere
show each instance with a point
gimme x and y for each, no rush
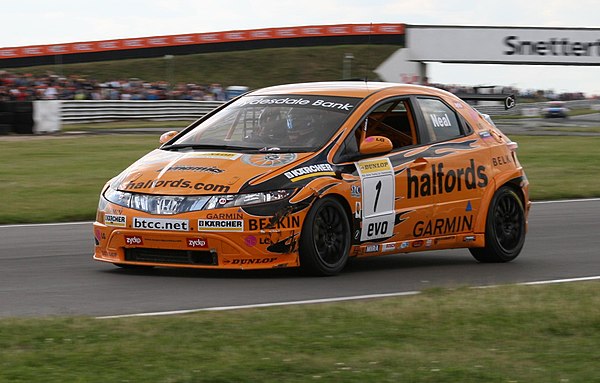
(378, 195)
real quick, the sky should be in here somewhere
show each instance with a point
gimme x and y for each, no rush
(40, 22)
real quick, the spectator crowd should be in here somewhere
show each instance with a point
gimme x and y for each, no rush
(27, 87)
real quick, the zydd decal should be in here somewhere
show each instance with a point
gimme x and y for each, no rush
(197, 243)
(133, 240)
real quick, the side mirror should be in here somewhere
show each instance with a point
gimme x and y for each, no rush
(167, 136)
(376, 145)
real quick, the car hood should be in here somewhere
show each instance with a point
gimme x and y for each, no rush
(202, 173)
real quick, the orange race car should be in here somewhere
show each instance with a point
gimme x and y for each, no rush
(312, 174)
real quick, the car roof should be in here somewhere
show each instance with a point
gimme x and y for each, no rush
(359, 89)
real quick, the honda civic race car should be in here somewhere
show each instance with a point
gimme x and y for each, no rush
(313, 174)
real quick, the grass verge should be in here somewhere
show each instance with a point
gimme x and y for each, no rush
(505, 334)
(59, 179)
(561, 167)
(573, 129)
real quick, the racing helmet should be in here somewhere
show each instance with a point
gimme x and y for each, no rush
(301, 123)
(271, 125)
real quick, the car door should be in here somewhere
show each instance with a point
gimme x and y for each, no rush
(456, 167)
(391, 198)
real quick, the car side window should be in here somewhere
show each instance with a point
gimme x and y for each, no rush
(440, 120)
(391, 119)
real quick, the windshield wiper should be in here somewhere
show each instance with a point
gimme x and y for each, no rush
(209, 146)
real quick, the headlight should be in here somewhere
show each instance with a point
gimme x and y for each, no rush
(230, 200)
(161, 204)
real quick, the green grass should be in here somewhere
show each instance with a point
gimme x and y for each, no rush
(253, 68)
(573, 129)
(59, 178)
(507, 334)
(561, 166)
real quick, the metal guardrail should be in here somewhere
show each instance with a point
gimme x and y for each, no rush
(81, 111)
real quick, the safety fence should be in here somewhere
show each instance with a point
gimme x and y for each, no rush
(99, 111)
(48, 116)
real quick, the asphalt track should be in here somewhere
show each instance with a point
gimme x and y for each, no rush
(47, 270)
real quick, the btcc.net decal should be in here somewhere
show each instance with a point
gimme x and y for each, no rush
(161, 224)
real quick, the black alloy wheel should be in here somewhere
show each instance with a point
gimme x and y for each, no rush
(325, 239)
(504, 230)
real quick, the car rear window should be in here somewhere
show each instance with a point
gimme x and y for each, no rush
(440, 120)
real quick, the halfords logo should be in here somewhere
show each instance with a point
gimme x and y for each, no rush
(442, 181)
(180, 183)
(134, 240)
(197, 243)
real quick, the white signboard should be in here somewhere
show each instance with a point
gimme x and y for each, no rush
(504, 45)
(46, 116)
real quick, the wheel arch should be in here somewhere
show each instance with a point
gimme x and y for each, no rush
(340, 198)
(512, 180)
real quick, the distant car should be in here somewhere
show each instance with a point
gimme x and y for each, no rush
(313, 174)
(233, 91)
(556, 109)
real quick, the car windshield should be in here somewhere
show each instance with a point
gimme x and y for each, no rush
(291, 123)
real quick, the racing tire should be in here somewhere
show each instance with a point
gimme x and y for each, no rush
(325, 238)
(504, 229)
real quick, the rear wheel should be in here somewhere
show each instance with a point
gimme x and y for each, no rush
(504, 229)
(325, 239)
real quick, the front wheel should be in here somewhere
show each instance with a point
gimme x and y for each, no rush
(504, 228)
(325, 239)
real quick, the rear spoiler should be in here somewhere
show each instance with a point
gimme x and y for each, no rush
(509, 100)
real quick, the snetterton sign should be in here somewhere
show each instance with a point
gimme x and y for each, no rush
(504, 45)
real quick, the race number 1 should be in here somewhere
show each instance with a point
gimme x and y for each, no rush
(377, 179)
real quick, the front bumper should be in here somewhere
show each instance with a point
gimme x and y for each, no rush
(201, 242)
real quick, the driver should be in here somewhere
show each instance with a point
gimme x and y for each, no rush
(271, 126)
(301, 126)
